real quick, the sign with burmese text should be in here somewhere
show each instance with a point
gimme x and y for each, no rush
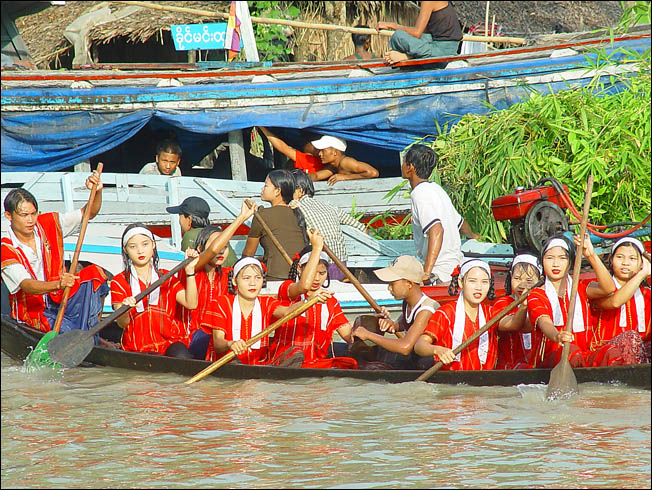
(199, 36)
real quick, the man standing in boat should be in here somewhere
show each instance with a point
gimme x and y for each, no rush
(437, 33)
(436, 224)
(168, 158)
(33, 264)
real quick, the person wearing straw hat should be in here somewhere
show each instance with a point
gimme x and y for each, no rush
(458, 320)
(621, 321)
(33, 264)
(404, 276)
(338, 166)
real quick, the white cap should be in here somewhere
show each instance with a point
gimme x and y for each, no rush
(403, 267)
(329, 141)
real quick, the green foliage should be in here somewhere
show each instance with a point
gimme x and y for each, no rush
(638, 13)
(566, 135)
(272, 44)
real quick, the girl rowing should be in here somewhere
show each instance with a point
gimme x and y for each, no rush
(548, 306)
(515, 329)
(312, 332)
(456, 321)
(152, 325)
(621, 321)
(404, 276)
(242, 313)
(212, 280)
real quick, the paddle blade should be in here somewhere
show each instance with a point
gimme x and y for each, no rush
(563, 383)
(71, 348)
(40, 356)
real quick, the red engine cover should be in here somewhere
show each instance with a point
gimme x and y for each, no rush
(515, 206)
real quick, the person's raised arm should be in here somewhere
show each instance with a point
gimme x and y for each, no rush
(93, 179)
(189, 298)
(605, 284)
(279, 144)
(422, 21)
(624, 294)
(309, 270)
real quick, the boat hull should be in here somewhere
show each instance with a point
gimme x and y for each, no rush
(18, 340)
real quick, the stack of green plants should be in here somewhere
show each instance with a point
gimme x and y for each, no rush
(566, 135)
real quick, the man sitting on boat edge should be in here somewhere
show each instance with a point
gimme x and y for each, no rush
(33, 264)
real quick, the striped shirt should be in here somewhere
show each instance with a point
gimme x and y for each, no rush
(328, 220)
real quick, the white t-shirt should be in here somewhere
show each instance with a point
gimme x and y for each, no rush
(14, 274)
(431, 205)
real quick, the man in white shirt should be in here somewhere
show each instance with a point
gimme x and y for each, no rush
(168, 158)
(436, 224)
(32, 264)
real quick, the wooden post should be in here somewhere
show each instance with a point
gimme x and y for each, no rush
(84, 166)
(174, 200)
(237, 154)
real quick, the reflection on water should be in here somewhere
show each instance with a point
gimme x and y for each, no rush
(102, 427)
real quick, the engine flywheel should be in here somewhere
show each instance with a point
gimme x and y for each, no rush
(543, 220)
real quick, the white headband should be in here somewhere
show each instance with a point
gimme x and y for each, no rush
(470, 264)
(526, 259)
(138, 230)
(305, 257)
(244, 262)
(557, 242)
(627, 239)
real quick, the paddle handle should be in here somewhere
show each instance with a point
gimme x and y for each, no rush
(125, 308)
(270, 234)
(577, 265)
(75, 256)
(345, 270)
(477, 334)
(230, 355)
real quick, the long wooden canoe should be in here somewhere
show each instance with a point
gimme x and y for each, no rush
(19, 339)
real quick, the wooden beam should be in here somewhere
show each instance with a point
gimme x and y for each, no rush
(237, 154)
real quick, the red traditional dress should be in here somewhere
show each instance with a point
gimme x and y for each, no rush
(513, 347)
(229, 318)
(615, 332)
(545, 302)
(312, 332)
(449, 329)
(153, 325)
(30, 308)
(308, 162)
(207, 293)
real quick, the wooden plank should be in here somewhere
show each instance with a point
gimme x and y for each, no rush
(174, 200)
(237, 154)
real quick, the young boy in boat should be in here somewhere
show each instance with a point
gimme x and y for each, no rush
(337, 165)
(312, 332)
(456, 321)
(151, 325)
(436, 33)
(322, 216)
(361, 44)
(212, 279)
(404, 276)
(33, 264)
(168, 158)
(436, 224)
(548, 306)
(515, 329)
(242, 314)
(621, 321)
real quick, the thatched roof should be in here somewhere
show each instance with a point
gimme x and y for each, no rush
(43, 32)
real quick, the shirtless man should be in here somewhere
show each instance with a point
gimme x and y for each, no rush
(338, 166)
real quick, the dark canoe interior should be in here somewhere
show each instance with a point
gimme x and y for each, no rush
(18, 340)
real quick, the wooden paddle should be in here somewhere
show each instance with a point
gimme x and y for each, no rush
(71, 348)
(487, 326)
(270, 234)
(562, 382)
(75, 257)
(355, 282)
(230, 355)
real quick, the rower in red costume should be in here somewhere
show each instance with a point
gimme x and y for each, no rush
(151, 324)
(621, 321)
(456, 321)
(240, 316)
(312, 332)
(548, 306)
(33, 264)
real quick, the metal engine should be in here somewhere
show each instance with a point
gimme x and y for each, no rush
(535, 215)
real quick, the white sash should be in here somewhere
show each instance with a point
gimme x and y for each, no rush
(557, 316)
(527, 340)
(323, 318)
(458, 330)
(256, 321)
(135, 287)
(640, 309)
